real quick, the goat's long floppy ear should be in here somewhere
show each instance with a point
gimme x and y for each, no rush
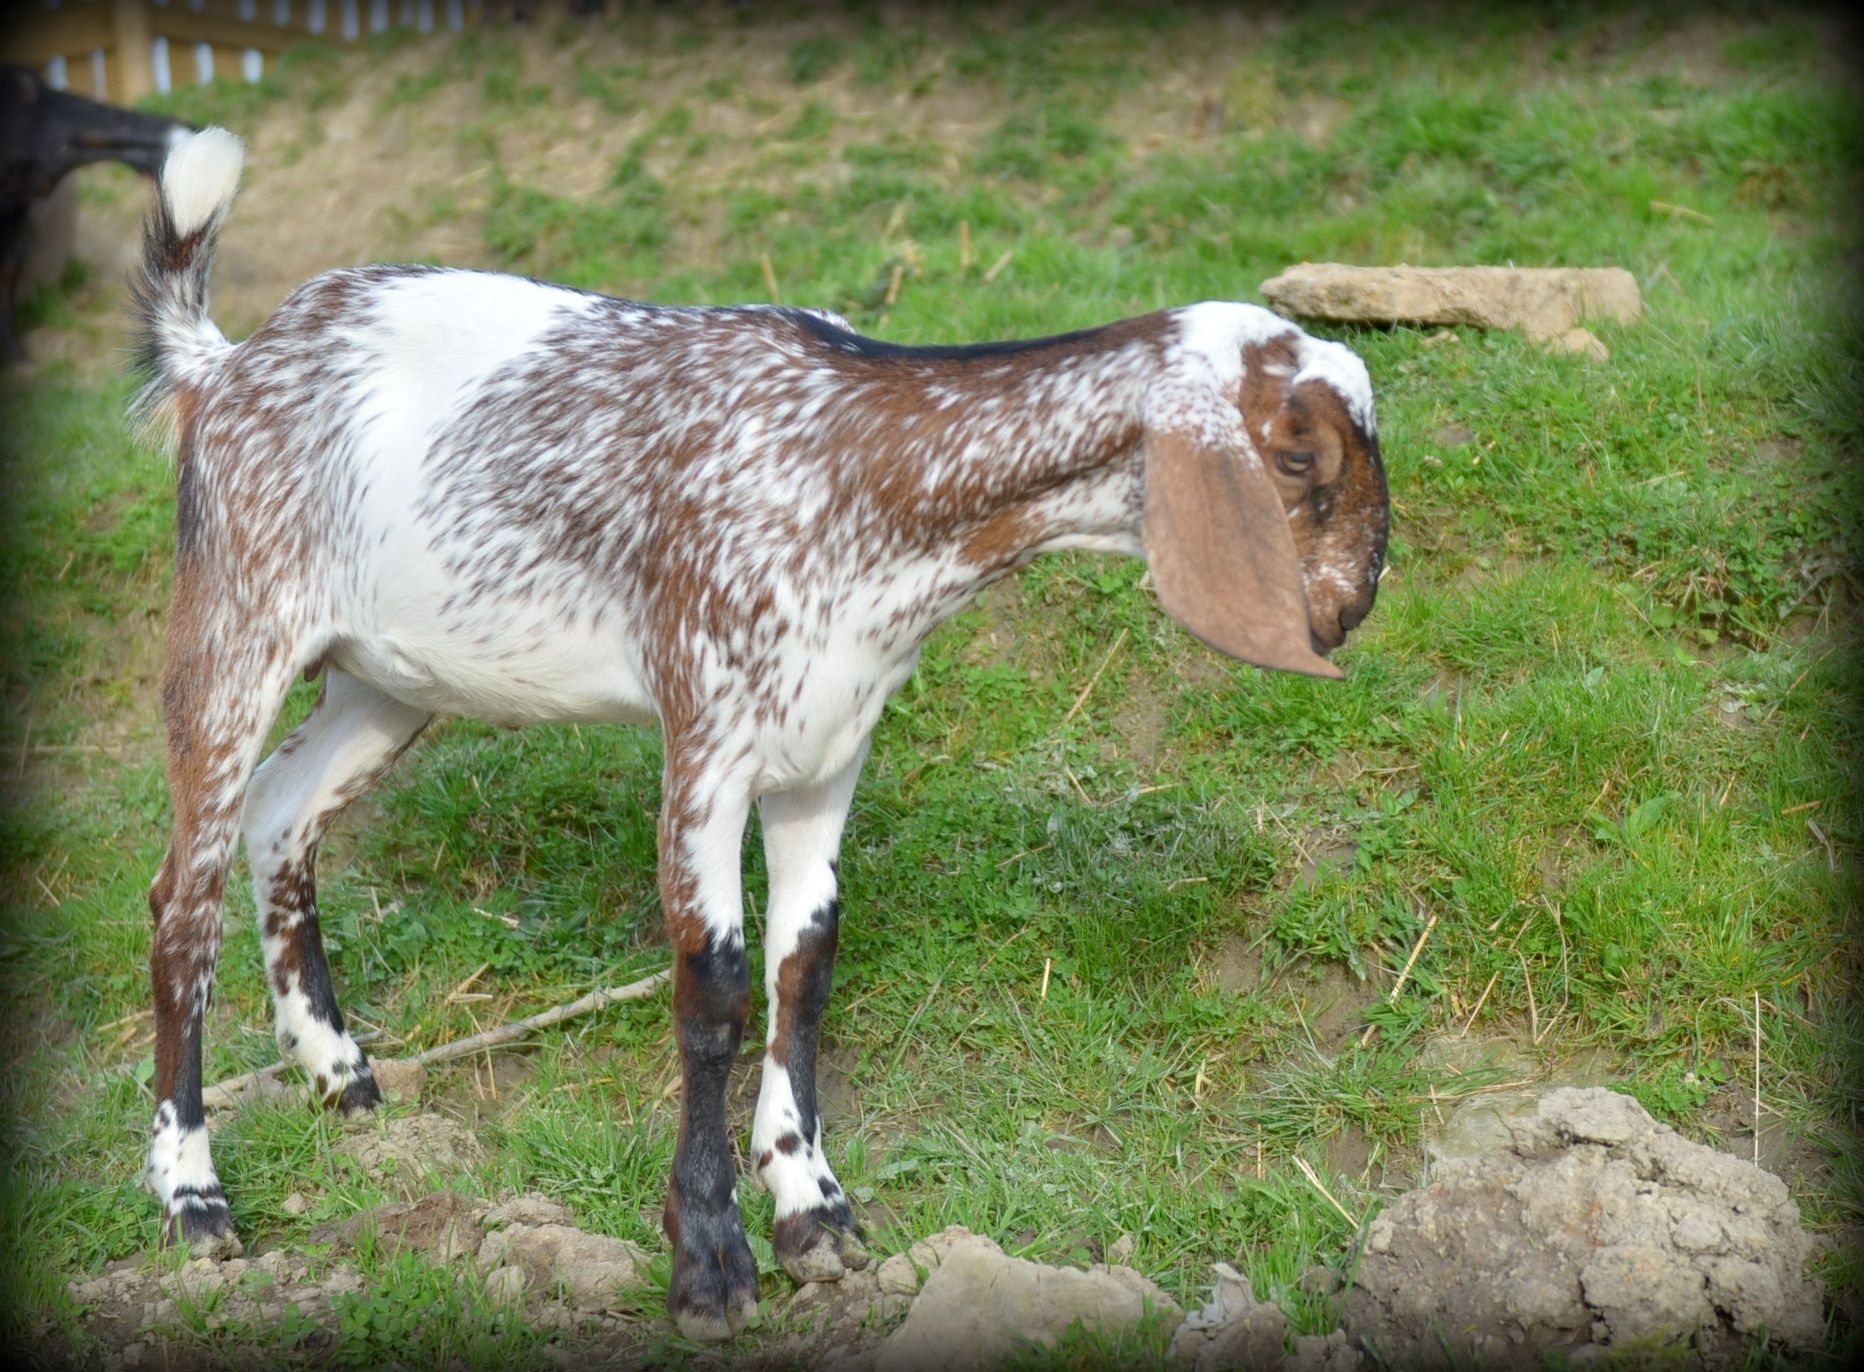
(1218, 544)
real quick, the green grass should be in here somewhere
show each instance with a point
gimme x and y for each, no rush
(1600, 727)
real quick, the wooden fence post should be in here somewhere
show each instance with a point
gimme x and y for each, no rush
(132, 51)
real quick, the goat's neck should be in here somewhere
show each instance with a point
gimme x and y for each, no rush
(1015, 461)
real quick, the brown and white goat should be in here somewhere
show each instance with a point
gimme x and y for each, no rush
(469, 494)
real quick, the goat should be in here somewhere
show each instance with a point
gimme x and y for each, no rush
(471, 494)
(44, 135)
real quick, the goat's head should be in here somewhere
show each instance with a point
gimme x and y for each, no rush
(1265, 504)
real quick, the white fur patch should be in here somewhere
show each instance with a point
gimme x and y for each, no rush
(179, 1161)
(1216, 331)
(1339, 367)
(322, 1052)
(200, 178)
(794, 1180)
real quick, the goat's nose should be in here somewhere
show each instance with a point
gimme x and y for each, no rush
(1351, 617)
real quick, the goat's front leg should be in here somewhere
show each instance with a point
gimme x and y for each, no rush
(816, 1237)
(713, 1292)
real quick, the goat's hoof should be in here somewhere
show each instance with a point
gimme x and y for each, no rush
(360, 1097)
(819, 1245)
(350, 1091)
(713, 1294)
(203, 1225)
(714, 1328)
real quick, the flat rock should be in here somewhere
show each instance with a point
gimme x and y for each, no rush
(980, 1307)
(1546, 303)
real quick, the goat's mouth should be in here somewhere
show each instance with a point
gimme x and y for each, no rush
(1329, 629)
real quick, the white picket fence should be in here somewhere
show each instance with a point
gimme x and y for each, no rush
(120, 50)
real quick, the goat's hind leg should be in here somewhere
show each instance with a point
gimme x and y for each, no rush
(815, 1237)
(218, 700)
(351, 738)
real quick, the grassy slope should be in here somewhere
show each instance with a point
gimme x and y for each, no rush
(1599, 726)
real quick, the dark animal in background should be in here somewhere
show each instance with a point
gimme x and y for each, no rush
(44, 134)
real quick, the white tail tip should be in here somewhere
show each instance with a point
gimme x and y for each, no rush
(199, 178)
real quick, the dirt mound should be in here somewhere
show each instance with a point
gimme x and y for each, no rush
(400, 1153)
(1595, 1226)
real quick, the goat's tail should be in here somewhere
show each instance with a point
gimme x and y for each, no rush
(174, 336)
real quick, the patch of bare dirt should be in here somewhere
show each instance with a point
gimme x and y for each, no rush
(1332, 1003)
(488, 1086)
(1234, 966)
(1140, 722)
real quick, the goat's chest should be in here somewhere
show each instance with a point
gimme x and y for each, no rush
(817, 703)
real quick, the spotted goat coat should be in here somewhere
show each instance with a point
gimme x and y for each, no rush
(457, 493)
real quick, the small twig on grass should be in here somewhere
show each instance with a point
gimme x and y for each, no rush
(1680, 212)
(1094, 680)
(509, 1033)
(459, 993)
(996, 268)
(1831, 856)
(964, 247)
(228, 1092)
(1757, 1078)
(1483, 999)
(1365, 1039)
(1533, 1012)
(1027, 852)
(906, 1035)
(1313, 1178)
(770, 279)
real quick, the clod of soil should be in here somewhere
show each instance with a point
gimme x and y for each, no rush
(401, 1152)
(980, 1305)
(593, 1269)
(439, 1226)
(401, 1080)
(1236, 1330)
(1546, 303)
(1594, 1226)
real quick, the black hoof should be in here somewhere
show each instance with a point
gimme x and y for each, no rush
(713, 1294)
(201, 1223)
(823, 1244)
(361, 1095)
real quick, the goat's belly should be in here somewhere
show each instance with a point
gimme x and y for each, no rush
(569, 677)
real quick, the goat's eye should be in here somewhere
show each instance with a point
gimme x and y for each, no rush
(1295, 463)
